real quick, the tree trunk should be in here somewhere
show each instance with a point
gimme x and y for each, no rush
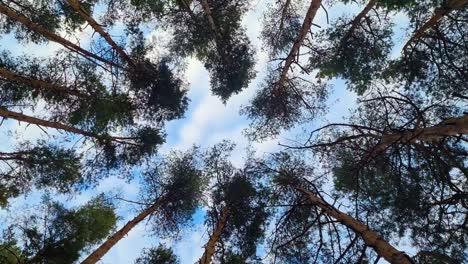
(76, 5)
(371, 238)
(207, 10)
(449, 127)
(314, 6)
(39, 84)
(211, 245)
(357, 20)
(40, 122)
(4, 9)
(438, 15)
(117, 236)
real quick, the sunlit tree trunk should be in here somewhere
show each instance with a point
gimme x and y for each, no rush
(44, 123)
(97, 254)
(39, 84)
(449, 127)
(311, 12)
(76, 5)
(441, 12)
(4, 9)
(357, 20)
(371, 238)
(211, 245)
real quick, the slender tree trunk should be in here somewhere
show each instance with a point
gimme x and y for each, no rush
(283, 15)
(449, 127)
(311, 12)
(211, 245)
(117, 236)
(438, 15)
(76, 5)
(357, 20)
(4, 9)
(44, 123)
(207, 10)
(39, 84)
(371, 238)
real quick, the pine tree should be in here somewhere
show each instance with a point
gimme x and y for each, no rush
(157, 255)
(237, 215)
(307, 212)
(172, 191)
(41, 166)
(59, 234)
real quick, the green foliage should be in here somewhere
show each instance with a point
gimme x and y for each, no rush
(357, 56)
(231, 67)
(53, 16)
(178, 179)
(277, 108)
(281, 25)
(158, 255)
(43, 166)
(61, 234)
(226, 53)
(244, 196)
(160, 94)
(435, 63)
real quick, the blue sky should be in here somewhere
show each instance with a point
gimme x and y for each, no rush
(207, 122)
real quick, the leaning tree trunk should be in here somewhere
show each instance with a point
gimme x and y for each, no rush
(306, 25)
(39, 84)
(449, 127)
(357, 21)
(76, 5)
(4, 9)
(117, 236)
(371, 238)
(44, 123)
(211, 245)
(439, 14)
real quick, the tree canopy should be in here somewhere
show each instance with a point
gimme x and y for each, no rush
(94, 93)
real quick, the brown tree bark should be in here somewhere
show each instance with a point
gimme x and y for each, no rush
(438, 15)
(371, 238)
(211, 245)
(39, 84)
(449, 127)
(97, 254)
(357, 20)
(311, 12)
(4, 9)
(44, 123)
(76, 5)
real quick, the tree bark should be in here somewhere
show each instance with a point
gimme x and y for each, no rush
(39, 84)
(311, 12)
(211, 245)
(371, 238)
(449, 127)
(76, 5)
(357, 20)
(4, 9)
(40, 122)
(438, 15)
(207, 10)
(97, 254)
